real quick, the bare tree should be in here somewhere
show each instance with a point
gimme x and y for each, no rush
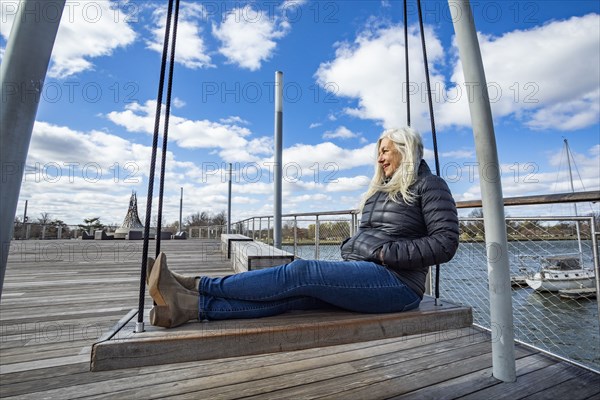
(198, 219)
(219, 219)
(44, 219)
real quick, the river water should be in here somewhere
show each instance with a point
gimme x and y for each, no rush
(569, 328)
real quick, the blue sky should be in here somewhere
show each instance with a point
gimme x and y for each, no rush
(343, 66)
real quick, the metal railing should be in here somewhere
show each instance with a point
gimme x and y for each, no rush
(567, 327)
(39, 231)
(308, 235)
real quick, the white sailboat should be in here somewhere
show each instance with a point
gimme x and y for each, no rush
(563, 272)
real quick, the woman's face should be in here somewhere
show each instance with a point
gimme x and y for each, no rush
(389, 158)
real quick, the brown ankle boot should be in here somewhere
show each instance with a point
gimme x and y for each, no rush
(188, 282)
(175, 305)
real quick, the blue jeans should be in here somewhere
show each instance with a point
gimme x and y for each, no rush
(358, 286)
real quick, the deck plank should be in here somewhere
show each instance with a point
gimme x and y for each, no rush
(468, 383)
(531, 383)
(375, 367)
(92, 284)
(576, 388)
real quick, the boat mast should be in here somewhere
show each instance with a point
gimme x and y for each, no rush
(574, 204)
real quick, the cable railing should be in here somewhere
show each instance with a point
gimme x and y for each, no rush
(41, 231)
(564, 325)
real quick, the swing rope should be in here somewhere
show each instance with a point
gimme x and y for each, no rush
(139, 326)
(161, 84)
(406, 64)
(166, 129)
(433, 132)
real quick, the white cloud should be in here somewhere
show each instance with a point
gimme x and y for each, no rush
(568, 115)
(50, 143)
(73, 174)
(319, 198)
(548, 75)
(344, 184)
(178, 103)
(248, 37)
(88, 29)
(230, 139)
(234, 120)
(328, 156)
(531, 74)
(315, 125)
(340, 133)
(293, 3)
(524, 178)
(371, 70)
(190, 47)
(460, 154)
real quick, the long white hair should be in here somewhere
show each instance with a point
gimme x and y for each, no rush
(409, 144)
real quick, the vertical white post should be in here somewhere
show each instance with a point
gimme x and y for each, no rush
(22, 77)
(503, 351)
(181, 211)
(25, 218)
(229, 202)
(278, 156)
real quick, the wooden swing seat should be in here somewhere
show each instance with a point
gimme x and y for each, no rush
(120, 347)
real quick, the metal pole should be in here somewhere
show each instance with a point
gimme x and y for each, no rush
(269, 231)
(574, 204)
(278, 157)
(181, 211)
(295, 235)
(24, 218)
(503, 351)
(229, 202)
(317, 238)
(596, 258)
(22, 75)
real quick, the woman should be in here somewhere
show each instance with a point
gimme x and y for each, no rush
(409, 222)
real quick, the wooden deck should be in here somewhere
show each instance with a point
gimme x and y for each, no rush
(59, 297)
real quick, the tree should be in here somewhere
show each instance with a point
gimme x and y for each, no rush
(19, 229)
(219, 219)
(52, 229)
(44, 219)
(198, 219)
(173, 227)
(474, 229)
(477, 213)
(91, 224)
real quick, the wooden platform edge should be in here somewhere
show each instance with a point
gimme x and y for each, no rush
(209, 341)
(112, 332)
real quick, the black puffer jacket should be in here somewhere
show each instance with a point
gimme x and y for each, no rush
(408, 239)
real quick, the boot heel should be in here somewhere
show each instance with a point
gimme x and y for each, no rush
(160, 316)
